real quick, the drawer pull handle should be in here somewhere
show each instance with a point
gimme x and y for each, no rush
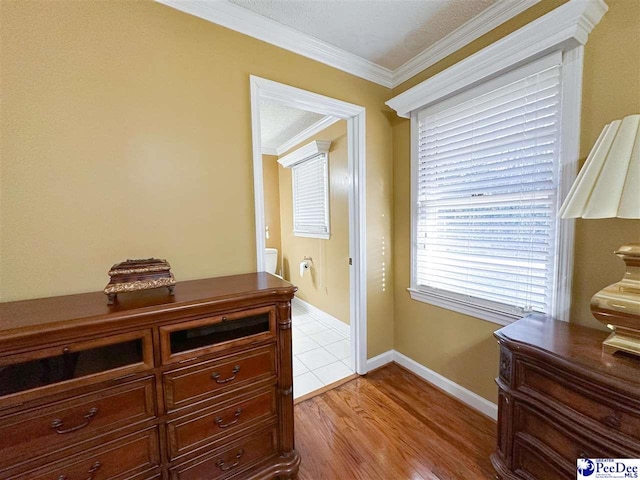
(92, 471)
(56, 424)
(221, 465)
(96, 466)
(219, 420)
(216, 376)
(611, 421)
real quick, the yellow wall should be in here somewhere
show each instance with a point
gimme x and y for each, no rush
(326, 284)
(126, 132)
(271, 185)
(461, 347)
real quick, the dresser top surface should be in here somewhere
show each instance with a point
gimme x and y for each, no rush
(88, 307)
(572, 344)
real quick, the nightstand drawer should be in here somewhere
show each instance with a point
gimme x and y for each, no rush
(568, 443)
(529, 462)
(229, 460)
(122, 458)
(37, 431)
(211, 424)
(184, 385)
(582, 397)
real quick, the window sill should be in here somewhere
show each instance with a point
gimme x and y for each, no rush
(466, 308)
(323, 236)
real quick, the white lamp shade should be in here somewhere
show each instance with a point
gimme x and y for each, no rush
(608, 185)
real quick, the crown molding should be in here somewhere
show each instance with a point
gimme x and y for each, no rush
(484, 22)
(245, 21)
(564, 28)
(255, 25)
(309, 150)
(307, 133)
(266, 150)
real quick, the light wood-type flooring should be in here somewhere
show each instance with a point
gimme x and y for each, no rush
(391, 425)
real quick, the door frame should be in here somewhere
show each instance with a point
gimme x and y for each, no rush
(264, 89)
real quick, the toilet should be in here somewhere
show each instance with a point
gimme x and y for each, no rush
(271, 255)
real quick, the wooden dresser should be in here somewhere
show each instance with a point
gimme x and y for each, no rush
(195, 386)
(561, 398)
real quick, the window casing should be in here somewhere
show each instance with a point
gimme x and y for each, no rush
(486, 179)
(310, 182)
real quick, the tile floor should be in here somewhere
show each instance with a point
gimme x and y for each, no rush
(321, 354)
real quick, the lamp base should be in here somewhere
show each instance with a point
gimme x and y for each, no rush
(622, 340)
(618, 305)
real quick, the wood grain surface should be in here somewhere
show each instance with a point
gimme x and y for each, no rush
(92, 307)
(578, 346)
(391, 425)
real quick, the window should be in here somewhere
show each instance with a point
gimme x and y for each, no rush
(310, 185)
(311, 197)
(486, 182)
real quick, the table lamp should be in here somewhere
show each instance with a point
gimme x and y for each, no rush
(608, 186)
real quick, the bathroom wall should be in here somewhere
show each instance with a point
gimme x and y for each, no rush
(271, 184)
(326, 284)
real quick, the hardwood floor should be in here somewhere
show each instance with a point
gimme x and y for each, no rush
(391, 425)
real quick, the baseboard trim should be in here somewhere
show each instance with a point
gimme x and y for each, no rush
(323, 316)
(380, 360)
(463, 394)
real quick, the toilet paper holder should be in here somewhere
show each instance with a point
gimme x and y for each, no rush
(305, 264)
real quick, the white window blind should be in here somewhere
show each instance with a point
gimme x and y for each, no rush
(311, 197)
(487, 181)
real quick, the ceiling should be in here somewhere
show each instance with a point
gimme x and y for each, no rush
(386, 32)
(279, 124)
(384, 41)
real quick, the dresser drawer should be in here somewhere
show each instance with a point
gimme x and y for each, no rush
(581, 397)
(125, 457)
(184, 385)
(569, 443)
(40, 430)
(208, 335)
(208, 425)
(57, 369)
(229, 460)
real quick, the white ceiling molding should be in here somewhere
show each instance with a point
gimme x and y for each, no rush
(244, 21)
(309, 150)
(269, 150)
(564, 28)
(484, 22)
(306, 133)
(255, 25)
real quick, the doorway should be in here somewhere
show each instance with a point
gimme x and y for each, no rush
(354, 116)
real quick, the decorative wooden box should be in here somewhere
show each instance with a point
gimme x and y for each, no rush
(142, 274)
